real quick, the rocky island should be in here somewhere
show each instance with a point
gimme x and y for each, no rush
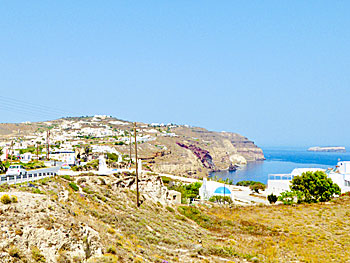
(327, 149)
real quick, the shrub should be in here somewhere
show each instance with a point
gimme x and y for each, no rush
(256, 187)
(14, 199)
(81, 180)
(272, 198)
(111, 231)
(290, 197)
(102, 181)
(113, 156)
(166, 180)
(5, 199)
(315, 187)
(19, 232)
(112, 250)
(36, 191)
(87, 190)
(196, 215)
(187, 191)
(74, 186)
(36, 255)
(14, 252)
(247, 183)
(221, 199)
(170, 209)
(67, 177)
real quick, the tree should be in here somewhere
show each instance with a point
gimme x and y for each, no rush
(315, 187)
(257, 186)
(272, 198)
(290, 197)
(2, 166)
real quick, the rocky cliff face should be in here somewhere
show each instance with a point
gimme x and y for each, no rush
(197, 151)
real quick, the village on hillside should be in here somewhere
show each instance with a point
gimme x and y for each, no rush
(78, 140)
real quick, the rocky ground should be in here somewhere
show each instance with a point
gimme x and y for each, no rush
(99, 222)
(95, 219)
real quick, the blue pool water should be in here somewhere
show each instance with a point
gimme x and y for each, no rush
(281, 161)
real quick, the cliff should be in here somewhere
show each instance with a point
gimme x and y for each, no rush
(174, 149)
(196, 151)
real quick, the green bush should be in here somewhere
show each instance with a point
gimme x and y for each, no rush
(14, 199)
(14, 252)
(247, 183)
(36, 255)
(257, 186)
(315, 187)
(87, 190)
(272, 198)
(170, 209)
(196, 215)
(74, 186)
(221, 199)
(112, 250)
(5, 199)
(166, 180)
(290, 197)
(187, 191)
(67, 177)
(112, 156)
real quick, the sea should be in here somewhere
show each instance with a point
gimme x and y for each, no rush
(282, 160)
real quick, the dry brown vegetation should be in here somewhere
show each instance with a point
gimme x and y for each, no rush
(301, 233)
(156, 232)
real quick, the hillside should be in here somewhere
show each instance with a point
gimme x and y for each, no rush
(177, 149)
(100, 222)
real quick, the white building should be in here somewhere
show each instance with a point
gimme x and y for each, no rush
(341, 175)
(278, 183)
(26, 157)
(64, 156)
(211, 188)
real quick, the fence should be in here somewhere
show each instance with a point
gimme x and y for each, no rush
(28, 177)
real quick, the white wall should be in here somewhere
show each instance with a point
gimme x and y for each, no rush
(277, 186)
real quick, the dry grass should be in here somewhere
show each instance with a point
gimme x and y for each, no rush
(306, 233)
(154, 232)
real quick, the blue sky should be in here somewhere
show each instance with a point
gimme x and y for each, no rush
(274, 71)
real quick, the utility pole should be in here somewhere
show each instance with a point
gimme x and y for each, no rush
(137, 172)
(11, 152)
(130, 146)
(48, 145)
(37, 151)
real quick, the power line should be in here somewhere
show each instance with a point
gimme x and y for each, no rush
(22, 109)
(36, 106)
(23, 112)
(27, 108)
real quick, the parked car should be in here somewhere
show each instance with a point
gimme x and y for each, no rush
(16, 170)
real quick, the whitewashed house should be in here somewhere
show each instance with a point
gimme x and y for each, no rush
(212, 188)
(26, 157)
(341, 175)
(278, 183)
(67, 157)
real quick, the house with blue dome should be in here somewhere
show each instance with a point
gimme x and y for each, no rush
(212, 188)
